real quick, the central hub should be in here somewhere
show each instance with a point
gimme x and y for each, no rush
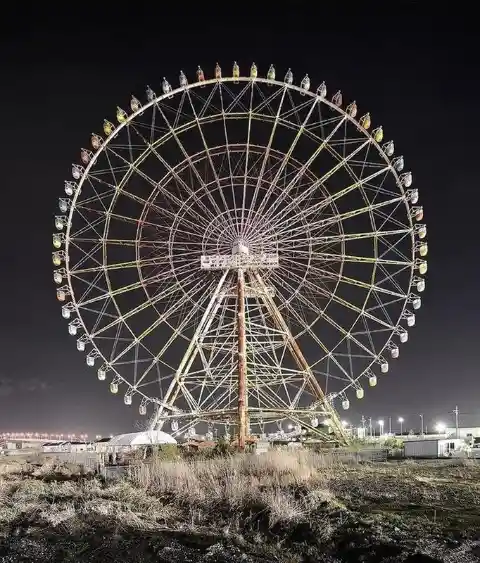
(240, 247)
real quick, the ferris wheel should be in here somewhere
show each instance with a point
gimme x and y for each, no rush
(240, 250)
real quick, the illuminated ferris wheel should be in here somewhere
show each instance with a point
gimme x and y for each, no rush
(240, 250)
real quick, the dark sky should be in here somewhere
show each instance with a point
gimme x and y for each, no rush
(414, 68)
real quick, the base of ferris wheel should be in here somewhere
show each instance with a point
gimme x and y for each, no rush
(246, 267)
(303, 426)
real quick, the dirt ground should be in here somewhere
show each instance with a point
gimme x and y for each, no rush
(294, 509)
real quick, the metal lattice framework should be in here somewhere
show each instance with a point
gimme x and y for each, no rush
(240, 249)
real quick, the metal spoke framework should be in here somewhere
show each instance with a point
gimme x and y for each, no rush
(240, 250)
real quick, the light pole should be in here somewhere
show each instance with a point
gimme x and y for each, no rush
(389, 424)
(401, 420)
(381, 423)
(421, 420)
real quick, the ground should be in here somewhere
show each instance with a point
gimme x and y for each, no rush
(280, 506)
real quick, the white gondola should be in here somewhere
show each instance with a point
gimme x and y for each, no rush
(322, 90)
(102, 373)
(419, 284)
(142, 409)
(73, 327)
(70, 187)
(305, 84)
(394, 351)
(90, 359)
(402, 335)
(389, 148)
(289, 77)
(406, 179)
(413, 196)
(352, 109)
(67, 310)
(398, 163)
(345, 404)
(114, 387)
(372, 380)
(421, 231)
(64, 204)
(135, 104)
(58, 276)
(166, 88)
(235, 72)
(416, 302)
(410, 318)
(127, 399)
(271, 73)
(150, 94)
(337, 98)
(360, 393)
(384, 367)
(182, 79)
(77, 171)
(60, 222)
(81, 344)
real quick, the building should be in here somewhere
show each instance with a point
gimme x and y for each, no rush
(434, 448)
(466, 433)
(135, 440)
(65, 447)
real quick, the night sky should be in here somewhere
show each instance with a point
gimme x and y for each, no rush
(414, 69)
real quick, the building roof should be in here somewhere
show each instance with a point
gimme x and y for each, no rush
(149, 437)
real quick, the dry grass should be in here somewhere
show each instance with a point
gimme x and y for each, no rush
(300, 501)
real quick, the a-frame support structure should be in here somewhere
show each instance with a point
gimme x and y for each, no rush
(241, 279)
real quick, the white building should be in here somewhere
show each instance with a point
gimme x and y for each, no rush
(434, 448)
(464, 433)
(135, 440)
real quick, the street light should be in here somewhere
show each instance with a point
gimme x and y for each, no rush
(401, 420)
(381, 423)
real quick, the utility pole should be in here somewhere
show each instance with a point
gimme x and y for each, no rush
(370, 427)
(389, 424)
(421, 419)
(363, 422)
(455, 412)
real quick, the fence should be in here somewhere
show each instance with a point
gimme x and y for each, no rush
(360, 456)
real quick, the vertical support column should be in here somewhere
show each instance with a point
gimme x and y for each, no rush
(242, 362)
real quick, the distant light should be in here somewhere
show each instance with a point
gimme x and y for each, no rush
(381, 422)
(440, 427)
(401, 419)
(344, 423)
